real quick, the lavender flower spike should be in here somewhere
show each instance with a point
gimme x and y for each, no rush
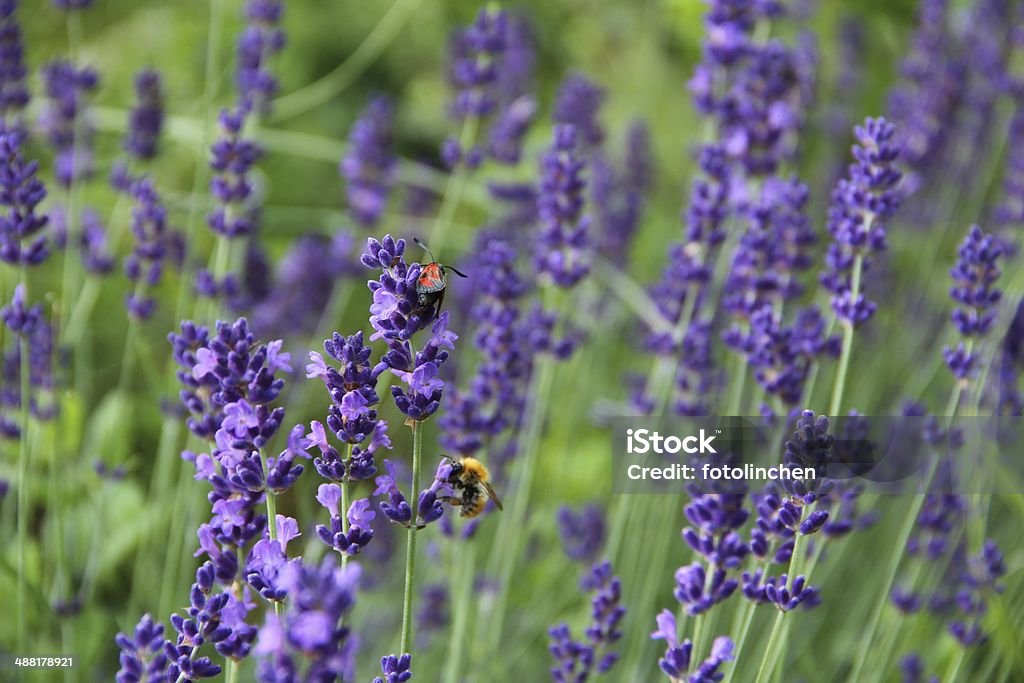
(21, 192)
(861, 205)
(974, 275)
(678, 655)
(563, 245)
(14, 94)
(370, 164)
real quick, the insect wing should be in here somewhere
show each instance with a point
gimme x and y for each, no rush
(431, 279)
(492, 495)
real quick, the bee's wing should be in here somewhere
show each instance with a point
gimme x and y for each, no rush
(492, 495)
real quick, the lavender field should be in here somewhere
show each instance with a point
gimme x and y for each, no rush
(330, 331)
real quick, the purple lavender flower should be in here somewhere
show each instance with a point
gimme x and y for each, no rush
(396, 314)
(352, 388)
(581, 532)
(96, 256)
(563, 244)
(146, 119)
(619, 196)
(70, 5)
(429, 508)
(861, 205)
(975, 273)
(396, 669)
(577, 104)
(1011, 208)
(267, 568)
(30, 329)
(490, 70)
(261, 39)
(370, 164)
(14, 94)
(64, 121)
(309, 641)
(20, 194)
(779, 591)
(422, 398)
(676, 660)
(232, 158)
(153, 243)
(142, 654)
(359, 516)
(492, 400)
(577, 660)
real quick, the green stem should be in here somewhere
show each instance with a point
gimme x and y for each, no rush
(462, 589)
(768, 660)
(23, 458)
(410, 547)
(848, 327)
(958, 663)
(456, 183)
(271, 499)
(344, 506)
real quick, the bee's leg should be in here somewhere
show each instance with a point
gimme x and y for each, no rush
(451, 500)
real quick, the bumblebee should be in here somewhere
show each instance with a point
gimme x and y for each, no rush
(471, 478)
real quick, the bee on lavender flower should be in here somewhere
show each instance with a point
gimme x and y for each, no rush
(471, 477)
(431, 283)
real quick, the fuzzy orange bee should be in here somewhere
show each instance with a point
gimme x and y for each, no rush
(471, 477)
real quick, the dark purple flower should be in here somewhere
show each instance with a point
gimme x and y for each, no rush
(64, 119)
(778, 591)
(676, 660)
(577, 660)
(861, 205)
(577, 104)
(96, 256)
(974, 275)
(258, 42)
(232, 158)
(30, 329)
(369, 165)
(154, 241)
(421, 373)
(581, 532)
(146, 119)
(563, 242)
(142, 654)
(396, 669)
(619, 195)
(348, 541)
(14, 94)
(21, 192)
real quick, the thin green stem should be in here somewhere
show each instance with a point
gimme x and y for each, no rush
(456, 183)
(844, 356)
(462, 589)
(768, 660)
(410, 547)
(271, 499)
(958, 663)
(344, 505)
(23, 458)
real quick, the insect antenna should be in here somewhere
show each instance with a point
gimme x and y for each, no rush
(425, 248)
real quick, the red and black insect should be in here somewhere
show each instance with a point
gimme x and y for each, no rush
(431, 283)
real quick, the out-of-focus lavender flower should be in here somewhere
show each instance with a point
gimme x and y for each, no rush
(21, 192)
(64, 119)
(96, 256)
(146, 119)
(309, 641)
(493, 398)
(861, 205)
(581, 532)
(927, 96)
(433, 613)
(578, 660)
(232, 158)
(369, 165)
(912, 670)
(577, 104)
(678, 655)
(563, 242)
(304, 282)
(30, 329)
(396, 669)
(153, 243)
(974, 275)
(490, 69)
(1011, 208)
(259, 41)
(619, 196)
(143, 657)
(14, 94)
